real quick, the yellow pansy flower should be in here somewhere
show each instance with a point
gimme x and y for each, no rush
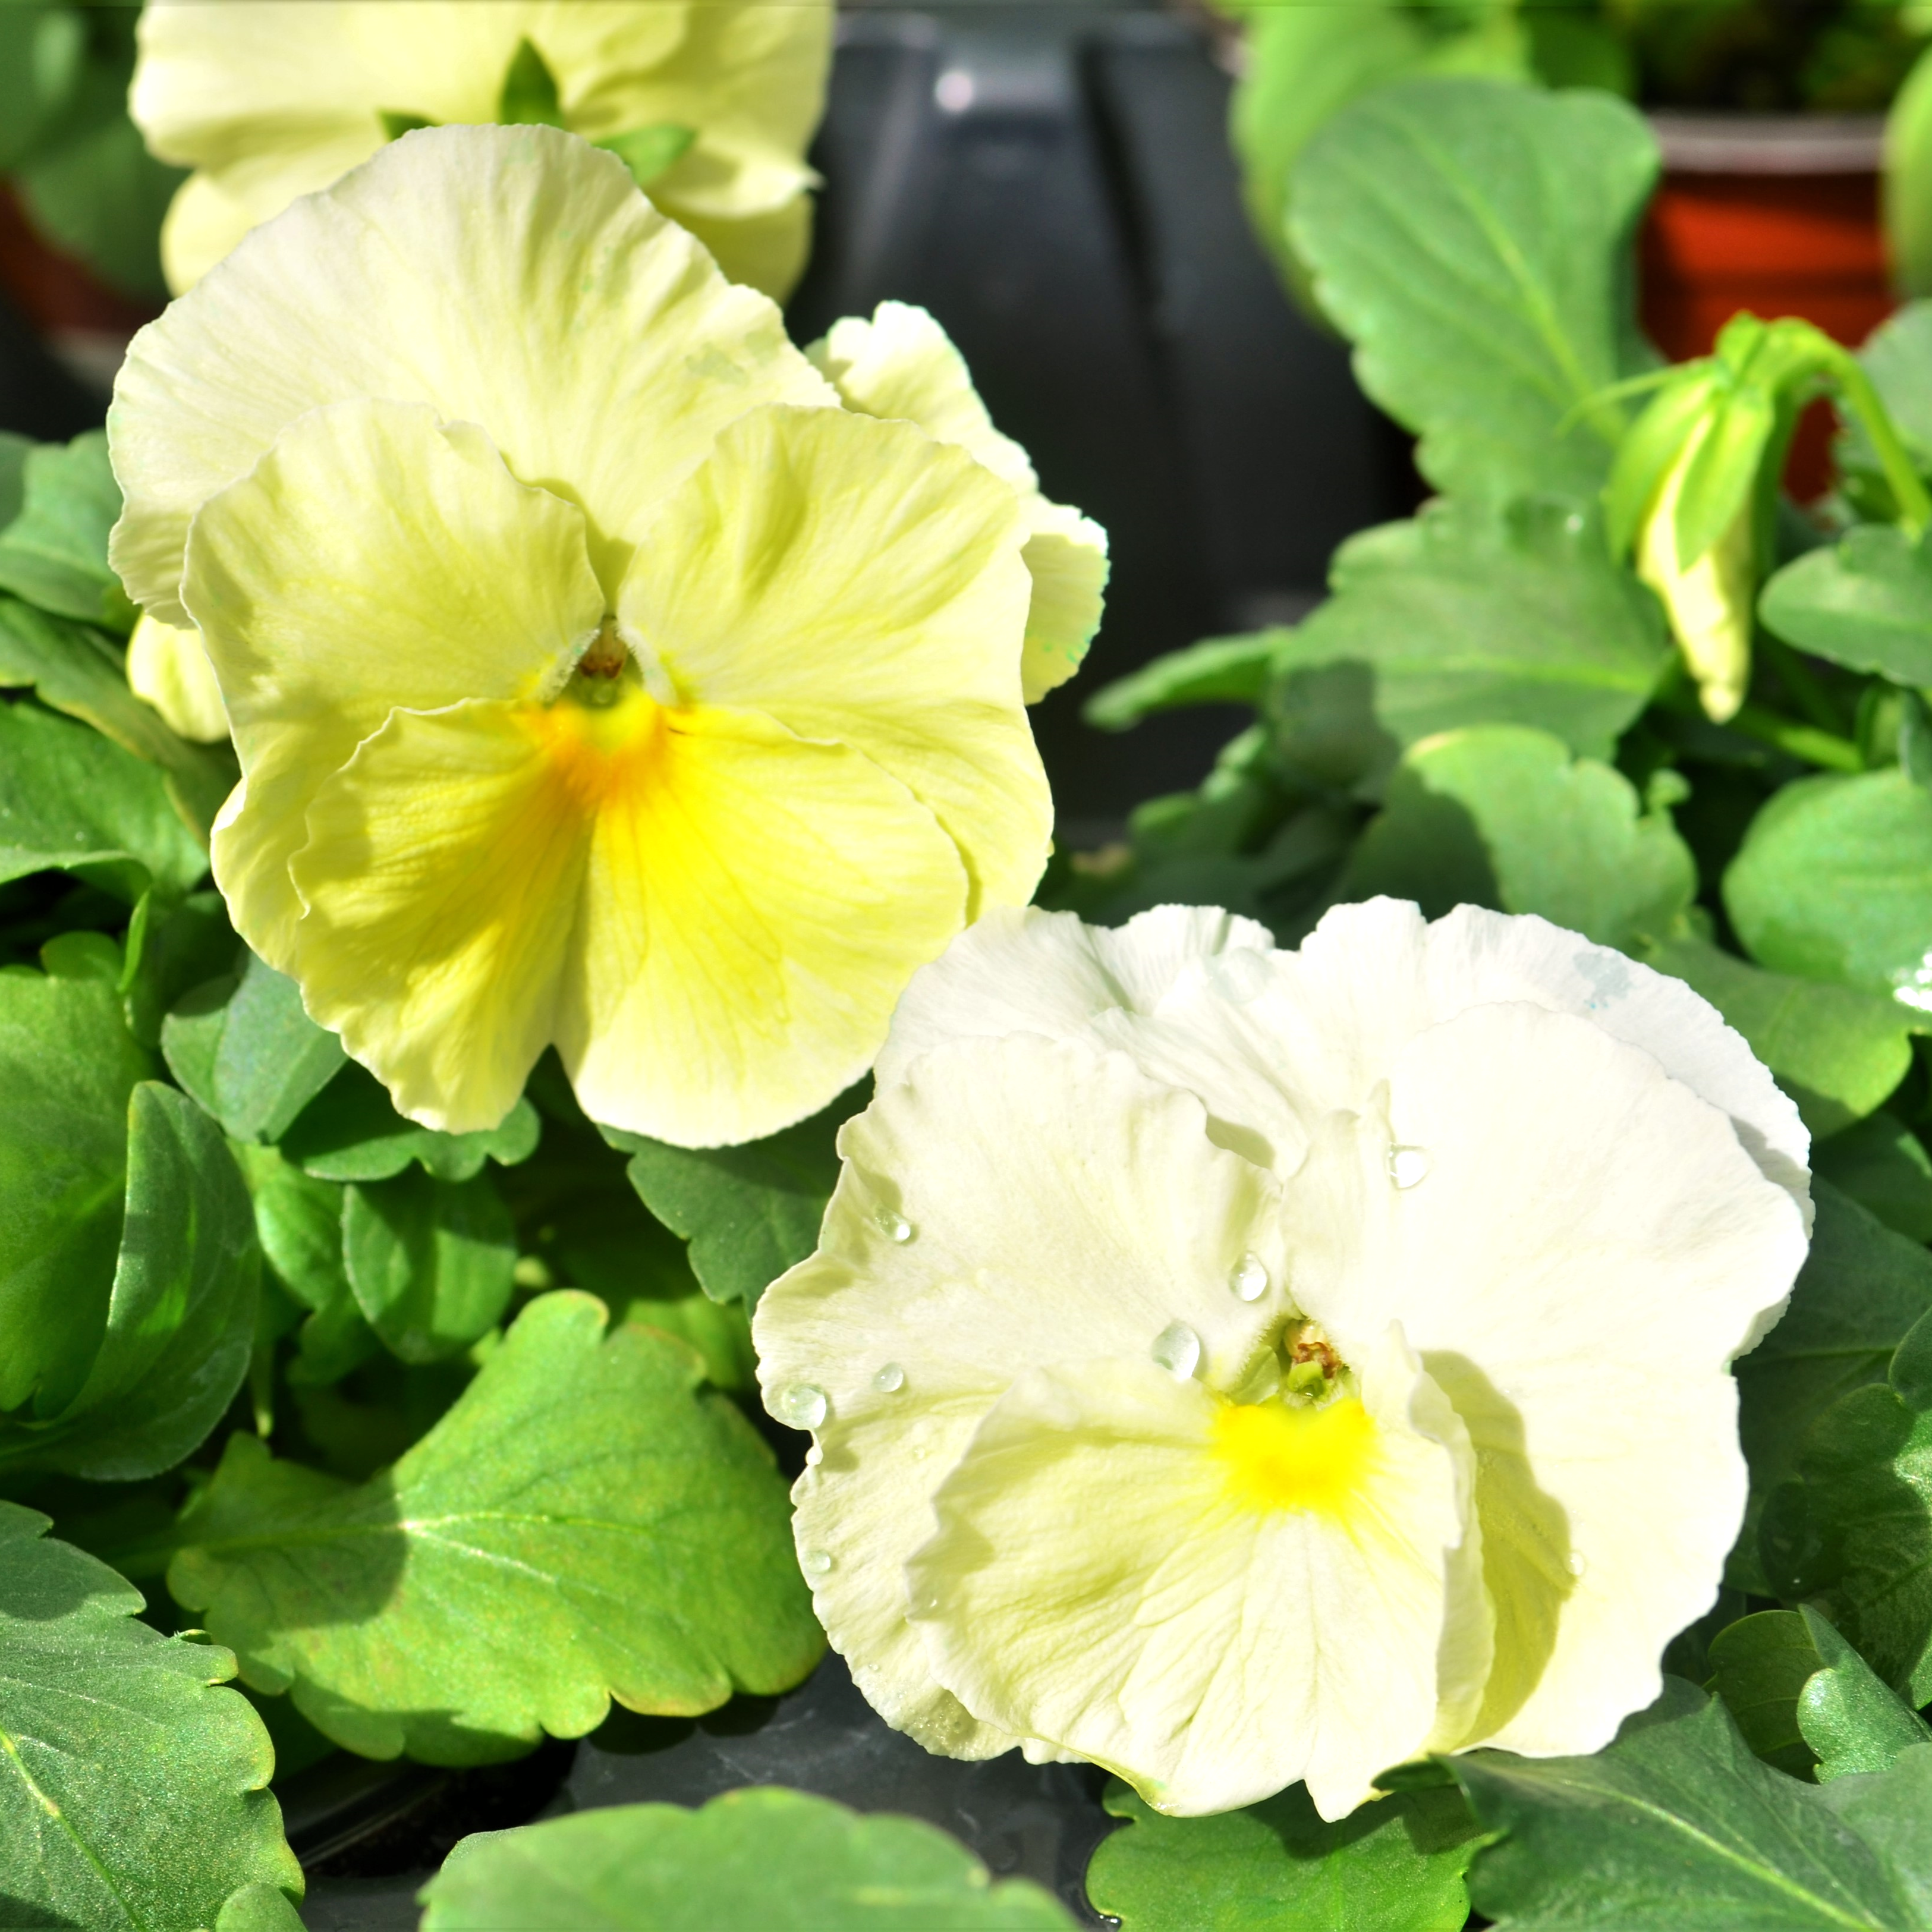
(1235, 1366)
(715, 100)
(167, 666)
(597, 679)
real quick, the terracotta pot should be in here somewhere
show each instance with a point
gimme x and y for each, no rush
(1775, 214)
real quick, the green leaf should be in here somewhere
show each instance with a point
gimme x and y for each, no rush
(245, 1049)
(778, 1861)
(132, 1789)
(1470, 615)
(749, 1212)
(432, 1262)
(1219, 671)
(1398, 1865)
(1474, 240)
(73, 801)
(529, 94)
(298, 1221)
(1673, 1827)
(181, 1316)
(1860, 1291)
(170, 948)
(1501, 816)
(1761, 1664)
(1834, 882)
(258, 1908)
(54, 553)
(1882, 1164)
(1837, 1051)
(1897, 357)
(349, 1131)
(584, 1523)
(42, 48)
(77, 669)
(1864, 601)
(1852, 1722)
(648, 151)
(395, 124)
(67, 1067)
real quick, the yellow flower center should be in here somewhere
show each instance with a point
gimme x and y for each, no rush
(1278, 1455)
(602, 750)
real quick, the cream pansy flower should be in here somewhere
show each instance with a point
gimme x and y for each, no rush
(596, 678)
(266, 100)
(901, 364)
(167, 667)
(1235, 1366)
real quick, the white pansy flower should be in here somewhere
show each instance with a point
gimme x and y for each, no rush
(1235, 1366)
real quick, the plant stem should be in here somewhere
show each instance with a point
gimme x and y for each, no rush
(1801, 681)
(1826, 749)
(1909, 493)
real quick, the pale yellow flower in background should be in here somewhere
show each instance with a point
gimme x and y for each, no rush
(1234, 1366)
(266, 100)
(167, 666)
(597, 679)
(901, 364)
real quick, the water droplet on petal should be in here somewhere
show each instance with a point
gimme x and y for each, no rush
(890, 1379)
(1238, 976)
(1408, 1164)
(1576, 1563)
(1178, 1349)
(803, 1405)
(894, 1226)
(927, 1605)
(1249, 1278)
(817, 1562)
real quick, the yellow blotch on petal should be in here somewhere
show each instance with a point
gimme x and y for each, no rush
(600, 755)
(1279, 1457)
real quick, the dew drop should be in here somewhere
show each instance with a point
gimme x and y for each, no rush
(1249, 1278)
(803, 1405)
(890, 1379)
(1576, 1563)
(816, 1562)
(1408, 1164)
(894, 1226)
(1238, 976)
(1178, 1349)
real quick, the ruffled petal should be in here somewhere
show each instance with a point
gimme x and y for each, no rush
(628, 351)
(167, 667)
(1110, 1571)
(1002, 1205)
(1065, 554)
(861, 584)
(753, 903)
(373, 560)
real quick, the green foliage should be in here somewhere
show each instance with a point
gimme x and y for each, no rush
(431, 1262)
(1865, 601)
(1853, 1724)
(749, 1212)
(781, 1861)
(349, 1131)
(1472, 239)
(1761, 1665)
(584, 1523)
(1883, 1166)
(648, 151)
(131, 1787)
(1218, 670)
(54, 553)
(1398, 1864)
(1501, 816)
(529, 93)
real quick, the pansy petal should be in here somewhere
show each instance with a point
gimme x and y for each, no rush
(372, 560)
(753, 905)
(1003, 1205)
(766, 251)
(1065, 555)
(861, 584)
(443, 873)
(1231, 1643)
(167, 667)
(630, 352)
(1577, 1278)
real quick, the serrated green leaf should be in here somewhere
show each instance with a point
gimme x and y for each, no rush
(298, 1221)
(245, 1049)
(584, 1523)
(132, 1789)
(1473, 239)
(1882, 1165)
(1501, 816)
(1398, 1865)
(648, 151)
(1472, 615)
(432, 1262)
(54, 553)
(1837, 1051)
(1833, 883)
(349, 1131)
(1218, 670)
(77, 669)
(1761, 1664)
(779, 1861)
(1864, 601)
(67, 1066)
(180, 1315)
(73, 801)
(749, 1212)
(1861, 1290)
(1674, 1827)
(1852, 1722)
